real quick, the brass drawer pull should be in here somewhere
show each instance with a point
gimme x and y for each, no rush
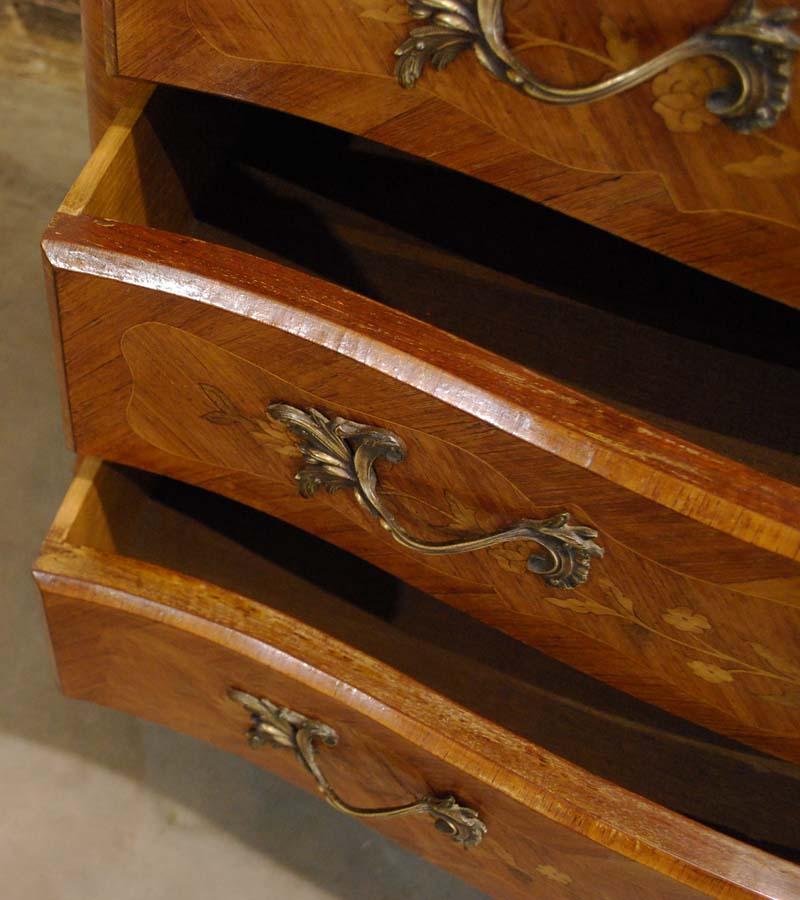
(759, 47)
(276, 726)
(339, 453)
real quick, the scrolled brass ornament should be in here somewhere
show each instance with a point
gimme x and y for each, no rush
(278, 727)
(341, 454)
(758, 46)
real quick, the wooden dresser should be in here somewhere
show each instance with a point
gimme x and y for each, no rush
(438, 408)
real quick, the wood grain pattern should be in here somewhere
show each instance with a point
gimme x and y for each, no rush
(490, 442)
(637, 165)
(106, 94)
(115, 186)
(164, 645)
(105, 424)
(180, 528)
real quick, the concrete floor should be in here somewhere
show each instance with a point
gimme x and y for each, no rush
(95, 805)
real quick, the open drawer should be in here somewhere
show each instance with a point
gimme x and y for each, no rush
(203, 273)
(190, 610)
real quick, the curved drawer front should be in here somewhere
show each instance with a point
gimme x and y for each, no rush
(503, 493)
(640, 164)
(199, 659)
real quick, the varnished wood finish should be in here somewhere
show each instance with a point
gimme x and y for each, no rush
(149, 317)
(165, 645)
(638, 165)
(106, 93)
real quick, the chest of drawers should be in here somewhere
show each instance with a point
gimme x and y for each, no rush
(567, 437)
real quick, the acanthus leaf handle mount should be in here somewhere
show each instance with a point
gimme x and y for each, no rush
(339, 453)
(758, 46)
(276, 726)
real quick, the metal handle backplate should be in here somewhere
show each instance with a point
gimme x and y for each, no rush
(340, 454)
(758, 46)
(275, 726)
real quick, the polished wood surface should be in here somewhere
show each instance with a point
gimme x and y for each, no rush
(166, 645)
(106, 93)
(182, 528)
(650, 165)
(159, 329)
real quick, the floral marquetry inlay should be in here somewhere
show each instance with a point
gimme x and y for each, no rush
(554, 874)
(337, 453)
(709, 672)
(681, 626)
(622, 51)
(783, 163)
(738, 71)
(264, 431)
(726, 667)
(685, 619)
(651, 619)
(682, 92)
(392, 11)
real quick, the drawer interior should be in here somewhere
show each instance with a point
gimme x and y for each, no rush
(732, 788)
(681, 350)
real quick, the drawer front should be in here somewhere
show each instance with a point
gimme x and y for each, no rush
(170, 648)
(181, 681)
(638, 164)
(466, 475)
(182, 386)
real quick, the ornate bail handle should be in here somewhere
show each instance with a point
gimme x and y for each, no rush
(276, 726)
(759, 47)
(339, 453)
